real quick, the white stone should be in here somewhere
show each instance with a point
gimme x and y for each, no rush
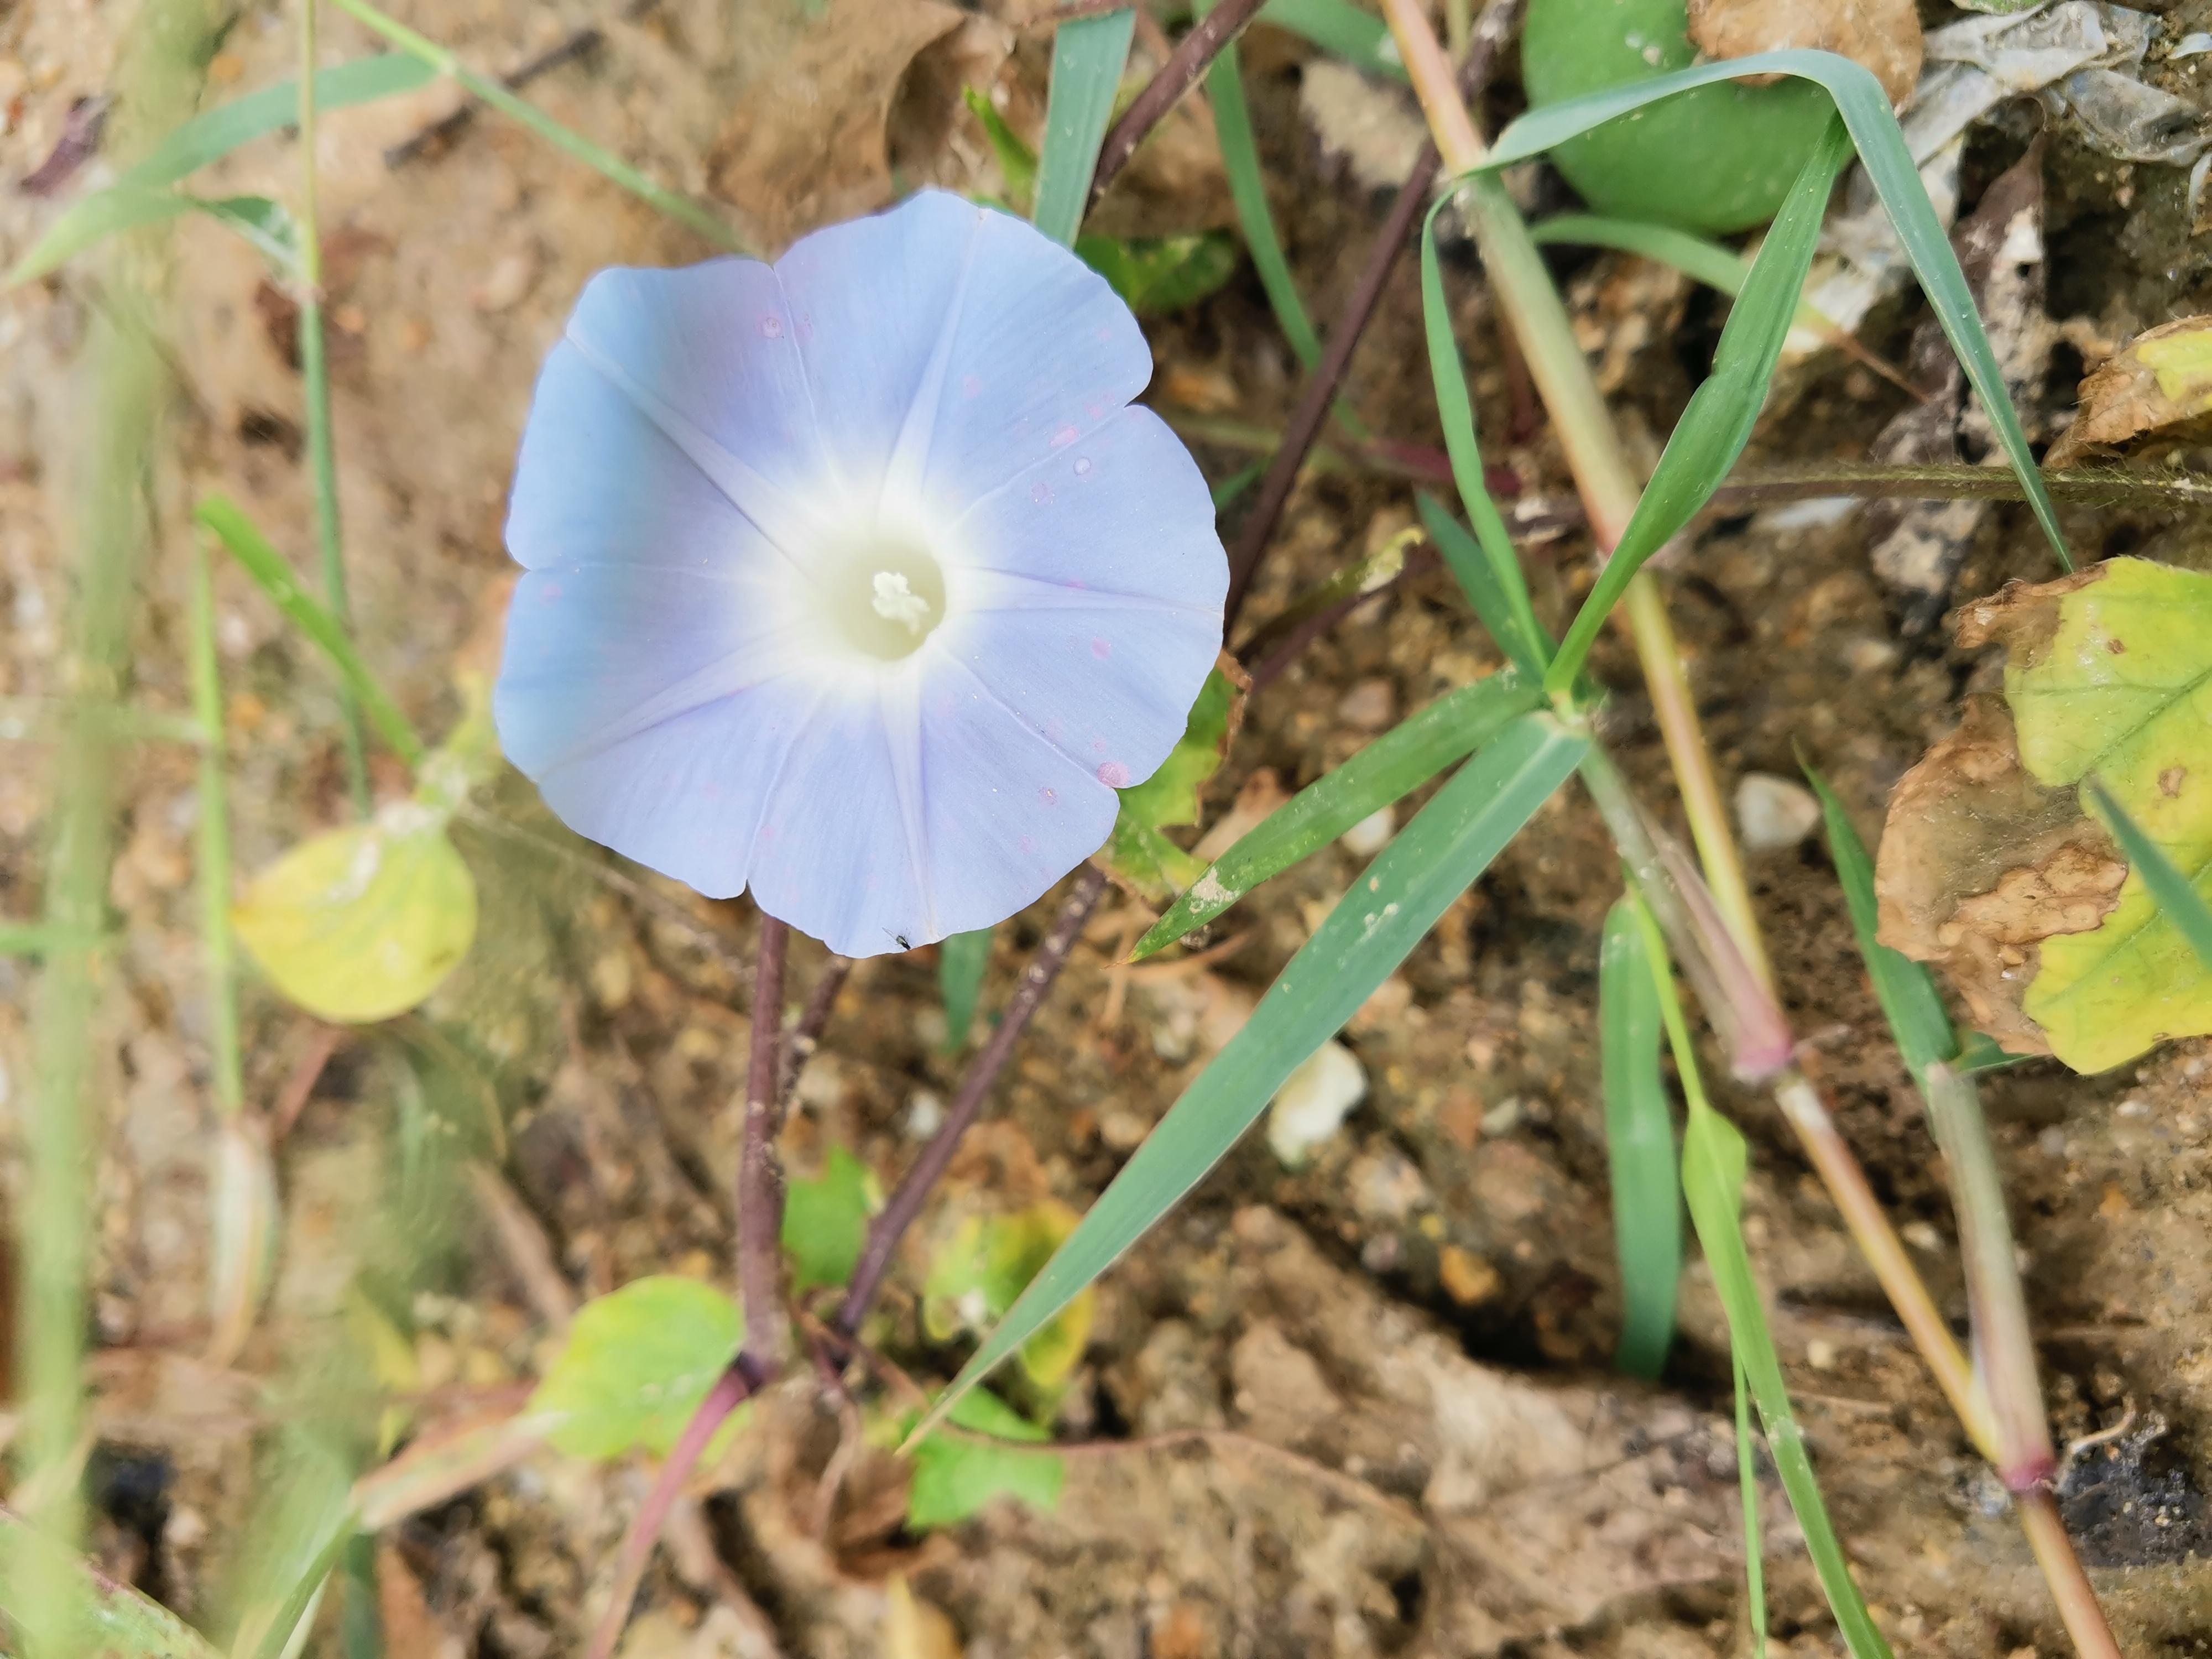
(1314, 1101)
(1371, 834)
(1774, 812)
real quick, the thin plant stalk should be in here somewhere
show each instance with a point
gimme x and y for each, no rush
(1603, 473)
(314, 373)
(2084, 1616)
(610, 165)
(63, 1120)
(216, 950)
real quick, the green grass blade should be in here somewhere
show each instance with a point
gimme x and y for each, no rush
(962, 959)
(1360, 37)
(1865, 108)
(1714, 1163)
(1640, 1144)
(1437, 857)
(2175, 893)
(1754, 1546)
(1718, 422)
(1247, 189)
(1905, 989)
(1088, 56)
(1519, 634)
(204, 138)
(1393, 766)
(1508, 623)
(1237, 483)
(1696, 257)
(273, 574)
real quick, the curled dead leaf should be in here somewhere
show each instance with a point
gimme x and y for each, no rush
(1882, 34)
(2159, 382)
(1980, 864)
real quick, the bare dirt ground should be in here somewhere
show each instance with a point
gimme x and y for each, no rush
(1361, 1407)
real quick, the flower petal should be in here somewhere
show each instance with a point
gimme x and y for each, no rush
(869, 299)
(1042, 352)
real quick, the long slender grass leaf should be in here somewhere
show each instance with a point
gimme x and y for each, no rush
(1639, 1145)
(1698, 258)
(1865, 108)
(1393, 766)
(1360, 37)
(961, 962)
(1519, 634)
(1754, 1546)
(1508, 623)
(1436, 858)
(1088, 56)
(1714, 1163)
(1905, 989)
(274, 575)
(2176, 894)
(209, 137)
(1718, 422)
(1247, 189)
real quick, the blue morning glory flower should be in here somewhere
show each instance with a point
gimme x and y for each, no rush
(856, 579)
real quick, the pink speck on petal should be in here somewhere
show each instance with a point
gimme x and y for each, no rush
(772, 327)
(971, 386)
(549, 592)
(1097, 745)
(1041, 494)
(1064, 436)
(1048, 795)
(1114, 775)
(1102, 649)
(1028, 844)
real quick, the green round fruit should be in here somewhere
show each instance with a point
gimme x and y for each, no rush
(1718, 159)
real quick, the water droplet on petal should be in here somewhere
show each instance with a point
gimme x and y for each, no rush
(1041, 494)
(771, 328)
(1082, 466)
(1028, 845)
(1114, 775)
(1102, 649)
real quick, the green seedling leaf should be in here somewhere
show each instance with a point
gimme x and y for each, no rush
(1501, 604)
(2181, 903)
(1437, 857)
(1865, 109)
(1714, 1163)
(274, 575)
(962, 961)
(1387, 770)
(121, 1621)
(362, 923)
(1639, 1142)
(636, 1365)
(267, 225)
(982, 1271)
(1360, 37)
(1980, 1052)
(1088, 56)
(1698, 258)
(1017, 163)
(142, 196)
(1247, 189)
(1754, 1546)
(955, 1475)
(1158, 276)
(1907, 990)
(2109, 676)
(1723, 411)
(1138, 853)
(825, 1221)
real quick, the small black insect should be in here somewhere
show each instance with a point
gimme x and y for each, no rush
(902, 944)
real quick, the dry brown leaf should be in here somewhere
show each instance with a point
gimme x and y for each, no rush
(1882, 34)
(2160, 382)
(1980, 863)
(810, 144)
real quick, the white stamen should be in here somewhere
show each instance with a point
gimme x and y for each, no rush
(896, 601)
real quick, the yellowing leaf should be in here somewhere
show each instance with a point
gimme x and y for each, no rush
(362, 923)
(2159, 382)
(637, 1364)
(1138, 854)
(979, 1272)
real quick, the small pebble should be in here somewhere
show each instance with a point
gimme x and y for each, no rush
(1314, 1101)
(1369, 706)
(1122, 1130)
(1468, 1278)
(1371, 834)
(1772, 813)
(925, 1115)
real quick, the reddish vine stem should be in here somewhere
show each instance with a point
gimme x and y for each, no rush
(1320, 390)
(759, 1172)
(889, 1228)
(1194, 54)
(799, 1046)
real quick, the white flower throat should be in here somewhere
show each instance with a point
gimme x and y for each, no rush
(877, 596)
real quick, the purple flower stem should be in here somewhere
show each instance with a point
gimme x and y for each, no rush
(730, 1391)
(759, 1172)
(1320, 387)
(889, 1228)
(1190, 60)
(799, 1046)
